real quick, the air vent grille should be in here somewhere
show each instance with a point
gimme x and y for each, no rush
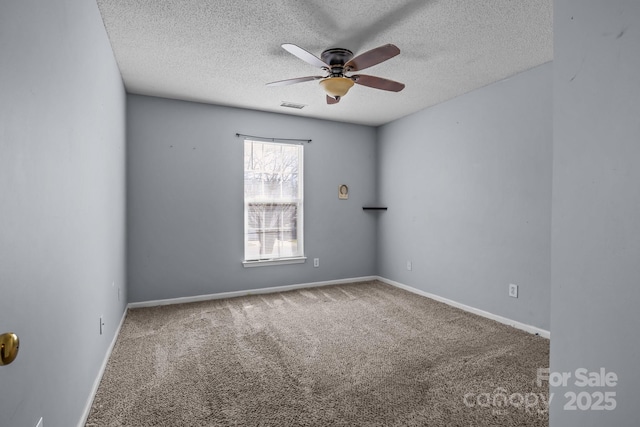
(292, 105)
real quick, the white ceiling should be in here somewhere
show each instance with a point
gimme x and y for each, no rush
(223, 51)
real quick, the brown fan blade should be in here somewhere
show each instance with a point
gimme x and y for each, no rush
(293, 81)
(378, 83)
(331, 100)
(304, 55)
(372, 57)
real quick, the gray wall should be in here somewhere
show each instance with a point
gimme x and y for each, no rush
(468, 186)
(185, 199)
(596, 204)
(62, 205)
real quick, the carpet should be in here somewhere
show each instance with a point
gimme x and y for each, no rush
(361, 354)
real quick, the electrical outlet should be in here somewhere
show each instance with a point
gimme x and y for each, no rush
(316, 262)
(409, 266)
(40, 423)
(513, 290)
(101, 324)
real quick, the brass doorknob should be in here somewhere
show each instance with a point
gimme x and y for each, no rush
(9, 346)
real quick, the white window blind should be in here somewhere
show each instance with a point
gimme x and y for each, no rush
(273, 201)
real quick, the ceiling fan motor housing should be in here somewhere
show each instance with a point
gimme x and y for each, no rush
(336, 56)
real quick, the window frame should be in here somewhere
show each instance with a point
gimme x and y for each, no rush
(299, 203)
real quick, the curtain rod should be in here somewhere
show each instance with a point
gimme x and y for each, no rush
(273, 139)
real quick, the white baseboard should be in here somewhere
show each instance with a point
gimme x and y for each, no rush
(96, 383)
(234, 294)
(523, 326)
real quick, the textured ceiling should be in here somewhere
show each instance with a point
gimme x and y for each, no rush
(223, 52)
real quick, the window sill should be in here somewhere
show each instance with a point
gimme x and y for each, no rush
(270, 262)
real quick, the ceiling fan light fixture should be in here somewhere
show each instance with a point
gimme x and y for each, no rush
(336, 86)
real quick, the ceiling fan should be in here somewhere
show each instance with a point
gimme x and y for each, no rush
(337, 62)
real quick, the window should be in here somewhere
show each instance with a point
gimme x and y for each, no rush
(273, 189)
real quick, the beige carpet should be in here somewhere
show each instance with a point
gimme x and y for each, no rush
(364, 354)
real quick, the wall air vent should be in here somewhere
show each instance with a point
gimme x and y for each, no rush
(292, 105)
